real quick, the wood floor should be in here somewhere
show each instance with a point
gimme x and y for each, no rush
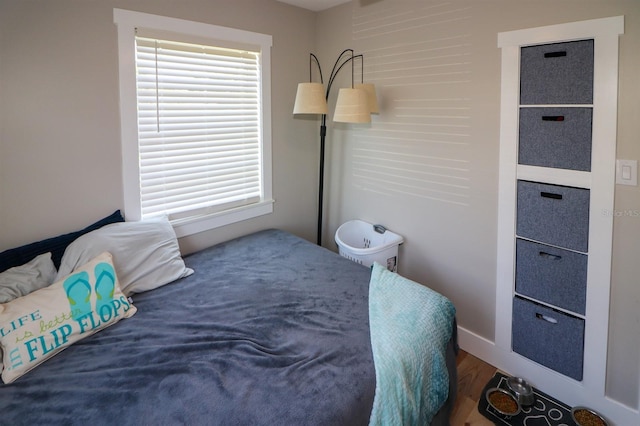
(473, 375)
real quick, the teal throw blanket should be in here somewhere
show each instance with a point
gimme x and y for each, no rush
(410, 327)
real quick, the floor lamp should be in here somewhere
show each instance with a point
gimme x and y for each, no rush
(354, 105)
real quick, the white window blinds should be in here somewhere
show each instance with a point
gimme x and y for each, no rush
(198, 128)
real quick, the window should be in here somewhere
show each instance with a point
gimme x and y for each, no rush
(194, 101)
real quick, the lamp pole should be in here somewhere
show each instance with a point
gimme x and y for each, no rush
(323, 134)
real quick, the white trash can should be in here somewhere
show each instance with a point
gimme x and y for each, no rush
(365, 243)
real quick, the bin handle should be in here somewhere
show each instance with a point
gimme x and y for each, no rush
(553, 118)
(557, 54)
(551, 195)
(546, 318)
(379, 229)
(549, 255)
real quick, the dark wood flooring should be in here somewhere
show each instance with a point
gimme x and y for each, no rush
(473, 375)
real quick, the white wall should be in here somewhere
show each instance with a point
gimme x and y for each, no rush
(60, 166)
(427, 166)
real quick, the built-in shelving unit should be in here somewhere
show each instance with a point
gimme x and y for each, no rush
(552, 218)
(554, 236)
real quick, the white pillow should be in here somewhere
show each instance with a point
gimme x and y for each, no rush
(22, 280)
(145, 254)
(37, 326)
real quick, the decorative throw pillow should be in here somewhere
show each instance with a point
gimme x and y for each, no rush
(146, 253)
(36, 327)
(21, 280)
(56, 245)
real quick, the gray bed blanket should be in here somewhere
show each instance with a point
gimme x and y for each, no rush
(269, 330)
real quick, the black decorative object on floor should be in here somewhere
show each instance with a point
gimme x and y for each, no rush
(546, 411)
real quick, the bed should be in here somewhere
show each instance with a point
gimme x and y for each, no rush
(269, 329)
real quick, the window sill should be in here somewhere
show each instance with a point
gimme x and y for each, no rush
(194, 225)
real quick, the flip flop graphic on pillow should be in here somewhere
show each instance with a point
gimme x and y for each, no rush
(105, 286)
(78, 290)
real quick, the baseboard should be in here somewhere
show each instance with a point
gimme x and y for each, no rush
(565, 389)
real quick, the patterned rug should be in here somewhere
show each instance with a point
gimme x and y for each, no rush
(546, 411)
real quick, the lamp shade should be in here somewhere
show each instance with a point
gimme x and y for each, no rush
(310, 99)
(352, 107)
(372, 99)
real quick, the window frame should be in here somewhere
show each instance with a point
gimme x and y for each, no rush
(127, 22)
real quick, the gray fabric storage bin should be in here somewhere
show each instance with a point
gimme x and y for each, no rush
(551, 275)
(556, 137)
(553, 214)
(548, 337)
(558, 73)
